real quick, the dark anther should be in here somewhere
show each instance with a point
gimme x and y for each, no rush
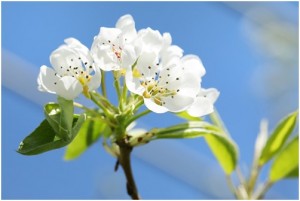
(177, 78)
(117, 165)
(139, 139)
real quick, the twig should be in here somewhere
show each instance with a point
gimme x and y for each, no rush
(124, 160)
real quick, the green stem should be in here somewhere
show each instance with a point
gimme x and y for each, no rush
(103, 86)
(99, 104)
(261, 194)
(136, 117)
(231, 186)
(240, 175)
(124, 93)
(252, 180)
(117, 85)
(124, 160)
(85, 108)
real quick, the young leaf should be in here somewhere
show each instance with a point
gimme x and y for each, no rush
(67, 110)
(225, 151)
(42, 139)
(221, 145)
(52, 113)
(89, 132)
(286, 162)
(278, 138)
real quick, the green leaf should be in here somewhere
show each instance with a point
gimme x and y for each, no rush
(42, 139)
(89, 132)
(278, 138)
(78, 122)
(294, 173)
(188, 117)
(225, 151)
(222, 146)
(67, 110)
(286, 162)
(52, 113)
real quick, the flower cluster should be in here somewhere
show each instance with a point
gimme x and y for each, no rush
(152, 67)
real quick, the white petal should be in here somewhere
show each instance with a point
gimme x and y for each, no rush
(127, 25)
(169, 53)
(64, 57)
(128, 57)
(105, 59)
(81, 50)
(178, 103)
(47, 80)
(133, 84)
(153, 106)
(108, 36)
(95, 80)
(76, 44)
(194, 64)
(146, 64)
(167, 38)
(68, 87)
(149, 40)
(204, 103)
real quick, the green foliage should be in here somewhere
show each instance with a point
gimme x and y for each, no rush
(223, 147)
(278, 138)
(42, 139)
(286, 163)
(89, 133)
(225, 151)
(66, 114)
(57, 130)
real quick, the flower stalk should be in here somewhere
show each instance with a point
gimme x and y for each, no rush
(125, 162)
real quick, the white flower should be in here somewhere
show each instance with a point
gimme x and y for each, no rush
(204, 103)
(73, 73)
(112, 48)
(148, 40)
(172, 86)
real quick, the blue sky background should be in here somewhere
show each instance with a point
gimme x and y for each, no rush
(254, 80)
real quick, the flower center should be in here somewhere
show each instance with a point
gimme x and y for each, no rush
(77, 72)
(157, 92)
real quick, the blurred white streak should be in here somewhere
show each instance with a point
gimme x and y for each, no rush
(171, 157)
(20, 77)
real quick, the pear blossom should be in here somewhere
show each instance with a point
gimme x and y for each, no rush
(204, 102)
(112, 48)
(73, 71)
(172, 86)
